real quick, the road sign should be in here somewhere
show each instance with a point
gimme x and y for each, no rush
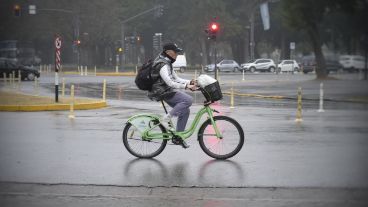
(292, 45)
(58, 43)
(32, 9)
(57, 65)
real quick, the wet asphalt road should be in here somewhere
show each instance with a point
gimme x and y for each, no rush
(325, 154)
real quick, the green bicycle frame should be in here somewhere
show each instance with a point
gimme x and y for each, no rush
(147, 134)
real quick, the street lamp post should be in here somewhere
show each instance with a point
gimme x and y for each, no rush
(155, 8)
(251, 43)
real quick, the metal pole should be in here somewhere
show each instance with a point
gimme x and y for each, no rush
(366, 63)
(122, 59)
(252, 36)
(216, 71)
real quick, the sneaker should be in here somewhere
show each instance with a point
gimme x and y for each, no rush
(178, 141)
(184, 144)
(166, 122)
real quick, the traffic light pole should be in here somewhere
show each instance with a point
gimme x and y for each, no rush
(216, 70)
(159, 7)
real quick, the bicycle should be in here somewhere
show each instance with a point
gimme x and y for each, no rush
(220, 137)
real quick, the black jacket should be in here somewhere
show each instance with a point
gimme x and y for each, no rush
(167, 80)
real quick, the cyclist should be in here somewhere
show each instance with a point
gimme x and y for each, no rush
(166, 89)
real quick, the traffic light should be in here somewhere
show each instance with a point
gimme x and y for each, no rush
(120, 50)
(77, 42)
(212, 30)
(17, 10)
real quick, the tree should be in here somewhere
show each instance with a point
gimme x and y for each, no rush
(308, 16)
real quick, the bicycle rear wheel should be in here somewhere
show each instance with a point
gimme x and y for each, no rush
(221, 148)
(140, 147)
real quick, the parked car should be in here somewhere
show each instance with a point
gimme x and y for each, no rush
(288, 66)
(259, 65)
(180, 63)
(27, 72)
(309, 64)
(352, 63)
(333, 65)
(224, 65)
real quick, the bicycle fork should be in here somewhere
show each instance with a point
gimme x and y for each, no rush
(217, 131)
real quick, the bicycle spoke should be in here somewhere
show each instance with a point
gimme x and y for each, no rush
(230, 142)
(136, 145)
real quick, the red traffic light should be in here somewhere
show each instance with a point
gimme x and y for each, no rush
(212, 30)
(214, 27)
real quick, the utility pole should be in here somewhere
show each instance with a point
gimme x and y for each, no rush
(212, 35)
(159, 12)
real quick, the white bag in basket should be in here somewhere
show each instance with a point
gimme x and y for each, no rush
(205, 80)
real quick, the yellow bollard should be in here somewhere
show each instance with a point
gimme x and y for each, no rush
(63, 88)
(104, 90)
(71, 113)
(299, 111)
(232, 96)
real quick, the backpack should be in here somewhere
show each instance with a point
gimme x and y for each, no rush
(144, 80)
(146, 77)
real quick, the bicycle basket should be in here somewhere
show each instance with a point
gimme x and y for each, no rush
(212, 92)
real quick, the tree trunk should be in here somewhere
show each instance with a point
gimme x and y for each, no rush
(317, 47)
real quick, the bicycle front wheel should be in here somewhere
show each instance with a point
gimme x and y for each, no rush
(228, 145)
(140, 147)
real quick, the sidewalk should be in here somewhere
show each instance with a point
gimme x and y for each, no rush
(16, 101)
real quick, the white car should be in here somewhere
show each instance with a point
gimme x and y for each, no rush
(224, 65)
(288, 66)
(180, 63)
(352, 62)
(260, 65)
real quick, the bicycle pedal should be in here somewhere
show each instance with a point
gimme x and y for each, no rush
(184, 145)
(176, 141)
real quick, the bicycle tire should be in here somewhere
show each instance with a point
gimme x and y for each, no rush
(225, 125)
(160, 143)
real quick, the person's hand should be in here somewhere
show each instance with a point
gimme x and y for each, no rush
(192, 87)
(193, 82)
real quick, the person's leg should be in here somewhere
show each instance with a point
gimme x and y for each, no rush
(180, 104)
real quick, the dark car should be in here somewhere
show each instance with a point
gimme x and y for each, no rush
(27, 72)
(333, 65)
(309, 64)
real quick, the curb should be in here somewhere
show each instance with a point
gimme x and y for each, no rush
(255, 95)
(103, 74)
(352, 100)
(54, 107)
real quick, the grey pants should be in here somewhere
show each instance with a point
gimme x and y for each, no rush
(180, 103)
